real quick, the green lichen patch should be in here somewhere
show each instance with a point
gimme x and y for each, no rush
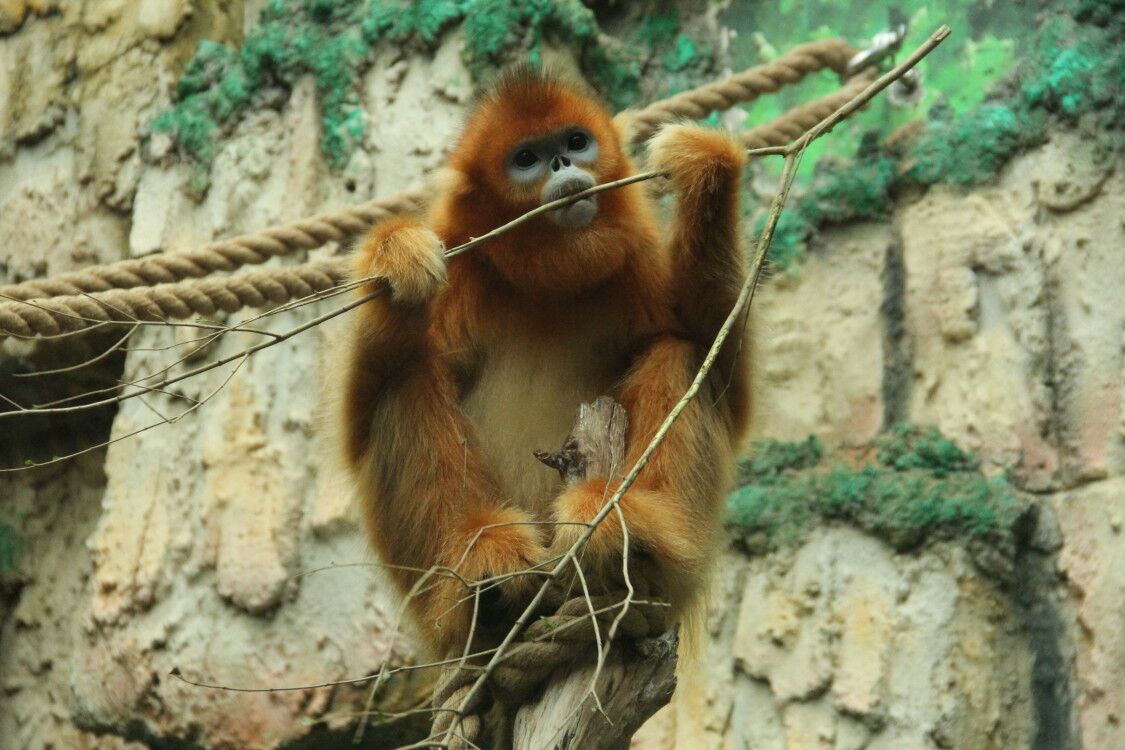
(910, 486)
(334, 42)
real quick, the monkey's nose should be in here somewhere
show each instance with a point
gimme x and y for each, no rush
(559, 162)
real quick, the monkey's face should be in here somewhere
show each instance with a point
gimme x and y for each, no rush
(556, 165)
(531, 140)
(534, 139)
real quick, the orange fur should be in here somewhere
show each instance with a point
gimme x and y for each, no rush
(450, 387)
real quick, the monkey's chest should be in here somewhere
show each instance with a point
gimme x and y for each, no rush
(525, 399)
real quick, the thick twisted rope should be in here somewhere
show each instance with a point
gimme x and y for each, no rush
(314, 231)
(570, 635)
(832, 54)
(183, 299)
(796, 122)
(224, 255)
(178, 300)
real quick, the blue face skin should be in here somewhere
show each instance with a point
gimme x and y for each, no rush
(561, 161)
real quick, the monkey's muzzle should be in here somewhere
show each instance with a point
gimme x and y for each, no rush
(578, 214)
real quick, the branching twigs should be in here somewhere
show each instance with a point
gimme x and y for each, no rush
(793, 154)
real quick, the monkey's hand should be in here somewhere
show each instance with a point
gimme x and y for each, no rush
(705, 241)
(656, 525)
(696, 158)
(408, 255)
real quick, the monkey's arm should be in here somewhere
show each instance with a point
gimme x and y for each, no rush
(427, 500)
(708, 265)
(672, 511)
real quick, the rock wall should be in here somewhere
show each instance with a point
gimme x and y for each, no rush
(221, 545)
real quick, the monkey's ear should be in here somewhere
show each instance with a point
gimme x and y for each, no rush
(624, 122)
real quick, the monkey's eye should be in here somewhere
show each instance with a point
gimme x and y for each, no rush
(525, 159)
(578, 142)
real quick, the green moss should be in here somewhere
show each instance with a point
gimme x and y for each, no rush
(972, 148)
(905, 447)
(773, 457)
(919, 485)
(292, 38)
(1071, 69)
(334, 42)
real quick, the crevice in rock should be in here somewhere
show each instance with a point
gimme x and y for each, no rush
(1052, 692)
(1057, 373)
(897, 359)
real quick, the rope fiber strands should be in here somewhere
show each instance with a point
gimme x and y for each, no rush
(797, 121)
(183, 299)
(566, 637)
(314, 231)
(225, 255)
(79, 307)
(697, 103)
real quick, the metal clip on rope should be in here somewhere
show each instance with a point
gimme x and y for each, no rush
(906, 91)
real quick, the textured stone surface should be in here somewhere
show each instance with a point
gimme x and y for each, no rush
(817, 342)
(845, 644)
(222, 544)
(1092, 520)
(224, 516)
(57, 509)
(979, 332)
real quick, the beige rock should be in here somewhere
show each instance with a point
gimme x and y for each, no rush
(817, 344)
(56, 509)
(12, 13)
(118, 100)
(34, 95)
(1085, 250)
(977, 329)
(888, 651)
(161, 18)
(1093, 558)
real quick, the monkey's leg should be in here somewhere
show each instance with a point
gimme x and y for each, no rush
(427, 500)
(671, 512)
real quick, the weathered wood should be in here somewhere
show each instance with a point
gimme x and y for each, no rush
(595, 446)
(636, 678)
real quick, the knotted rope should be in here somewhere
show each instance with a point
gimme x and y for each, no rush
(550, 643)
(314, 231)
